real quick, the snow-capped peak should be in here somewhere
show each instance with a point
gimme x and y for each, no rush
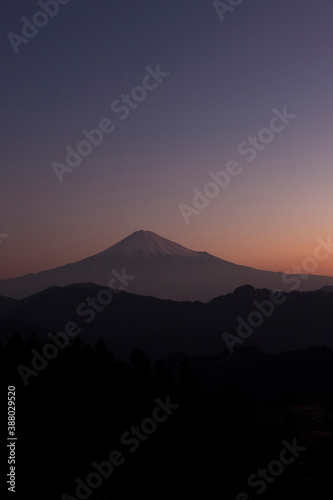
(148, 243)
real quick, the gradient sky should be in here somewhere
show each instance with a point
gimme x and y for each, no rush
(225, 79)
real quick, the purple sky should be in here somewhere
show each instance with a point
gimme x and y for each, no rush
(225, 79)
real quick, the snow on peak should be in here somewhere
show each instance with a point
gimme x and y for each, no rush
(148, 243)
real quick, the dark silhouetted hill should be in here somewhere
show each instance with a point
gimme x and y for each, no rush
(161, 327)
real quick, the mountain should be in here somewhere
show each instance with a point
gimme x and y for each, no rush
(6, 303)
(161, 268)
(162, 327)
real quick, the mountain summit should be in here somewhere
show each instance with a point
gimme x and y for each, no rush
(160, 268)
(147, 243)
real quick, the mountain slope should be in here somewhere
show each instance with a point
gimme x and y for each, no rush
(156, 267)
(162, 327)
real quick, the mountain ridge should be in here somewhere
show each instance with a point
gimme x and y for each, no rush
(161, 327)
(158, 267)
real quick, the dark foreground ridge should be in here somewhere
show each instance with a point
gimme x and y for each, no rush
(273, 322)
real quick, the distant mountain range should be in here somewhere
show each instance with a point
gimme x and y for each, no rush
(163, 327)
(160, 268)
